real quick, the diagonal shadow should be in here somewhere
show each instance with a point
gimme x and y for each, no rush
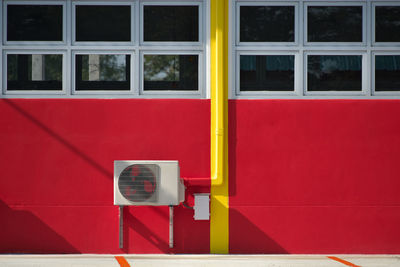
(132, 222)
(23, 232)
(59, 138)
(252, 239)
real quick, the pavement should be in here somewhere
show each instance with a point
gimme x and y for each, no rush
(150, 260)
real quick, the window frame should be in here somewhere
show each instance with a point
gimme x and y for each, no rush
(197, 3)
(296, 81)
(364, 77)
(373, 60)
(366, 49)
(32, 3)
(69, 48)
(102, 92)
(172, 93)
(264, 3)
(320, 3)
(34, 52)
(102, 43)
(373, 24)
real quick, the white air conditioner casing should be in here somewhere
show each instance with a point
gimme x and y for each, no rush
(147, 183)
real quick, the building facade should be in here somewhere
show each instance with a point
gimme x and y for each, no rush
(285, 111)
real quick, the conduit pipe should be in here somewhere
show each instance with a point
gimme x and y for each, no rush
(218, 98)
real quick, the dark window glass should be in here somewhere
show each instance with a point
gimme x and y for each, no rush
(267, 23)
(266, 73)
(334, 73)
(102, 72)
(171, 72)
(387, 24)
(171, 23)
(103, 23)
(34, 22)
(34, 72)
(334, 24)
(387, 73)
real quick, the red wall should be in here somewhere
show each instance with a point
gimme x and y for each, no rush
(56, 185)
(317, 176)
(306, 176)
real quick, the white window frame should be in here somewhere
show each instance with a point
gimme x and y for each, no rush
(100, 3)
(32, 3)
(34, 52)
(268, 53)
(382, 53)
(275, 3)
(367, 49)
(102, 92)
(173, 93)
(174, 43)
(364, 78)
(373, 20)
(69, 48)
(364, 24)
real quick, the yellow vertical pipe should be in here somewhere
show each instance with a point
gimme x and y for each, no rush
(219, 219)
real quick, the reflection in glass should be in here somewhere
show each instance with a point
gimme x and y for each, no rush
(102, 72)
(171, 23)
(387, 24)
(267, 23)
(103, 23)
(387, 73)
(334, 24)
(34, 72)
(266, 73)
(34, 23)
(334, 73)
(171, 72)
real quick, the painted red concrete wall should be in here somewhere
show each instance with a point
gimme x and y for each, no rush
(317, 176)
(306, 176)
(56, 185)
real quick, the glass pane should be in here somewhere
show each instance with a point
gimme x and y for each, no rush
(171, 23)
(387, 73)
(334, 24)
(334, 73)
(103, 23)
(267, 23)
(34, 72)
(266, 73)
(387, 23)
(34, 22)
(102, 72)
(171, 72)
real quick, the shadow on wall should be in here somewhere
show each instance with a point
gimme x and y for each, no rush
(133, 223)
(59, 138)
(23, 232)
(252, 240)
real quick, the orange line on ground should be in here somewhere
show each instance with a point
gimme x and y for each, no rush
(342, 261)
(122, 261)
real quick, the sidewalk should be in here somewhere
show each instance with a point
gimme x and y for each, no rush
(200, 260)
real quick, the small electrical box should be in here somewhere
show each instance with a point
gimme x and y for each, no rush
(202, 206)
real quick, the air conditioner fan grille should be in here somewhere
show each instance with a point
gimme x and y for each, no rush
(138, 182)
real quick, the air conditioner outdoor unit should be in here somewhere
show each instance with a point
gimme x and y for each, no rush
(147, 183)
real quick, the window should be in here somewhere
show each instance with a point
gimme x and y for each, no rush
(34, 22)
(267, 23)
(102, 23)
(34, 71)
(102, 72)
(124, 48)
(334, 23)
(303, 48)
(170, 23)
(170, 72)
